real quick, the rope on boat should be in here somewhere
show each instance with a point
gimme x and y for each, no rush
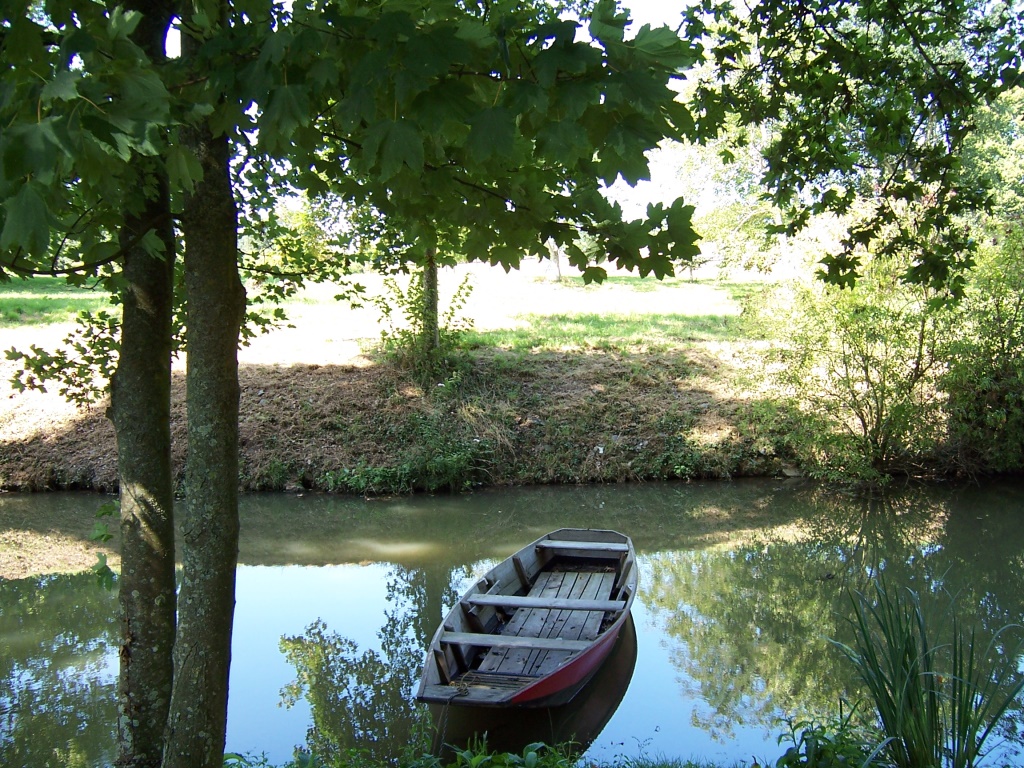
(459, 688)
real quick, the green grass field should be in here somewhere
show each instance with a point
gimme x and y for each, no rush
(45, 300)
(583, 331)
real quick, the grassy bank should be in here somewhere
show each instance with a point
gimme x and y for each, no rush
(553, 381)
(557, 383)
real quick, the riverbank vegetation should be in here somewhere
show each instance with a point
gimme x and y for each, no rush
(754, 368)
(631, 380)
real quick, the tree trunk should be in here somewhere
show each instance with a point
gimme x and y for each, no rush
(216, 305)
(140, 412)
(431, 324)
(555, 254)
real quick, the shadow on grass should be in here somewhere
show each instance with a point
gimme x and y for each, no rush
(508, 418)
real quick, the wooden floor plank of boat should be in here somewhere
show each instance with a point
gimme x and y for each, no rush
(544, 622)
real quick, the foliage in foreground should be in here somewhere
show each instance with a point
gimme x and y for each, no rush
(937, 696)
(825, 745)
(536, 755)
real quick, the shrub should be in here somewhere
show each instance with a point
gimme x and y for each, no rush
(863, 362)
(840, 743)
(406, 338)
(984, 383)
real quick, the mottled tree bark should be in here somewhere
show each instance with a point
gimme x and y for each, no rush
(206, 602)
(140, 412)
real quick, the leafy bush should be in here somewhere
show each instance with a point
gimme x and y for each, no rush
(406, 338)
(863, 362)
(836, 744)
(984, 382)
(477, 755)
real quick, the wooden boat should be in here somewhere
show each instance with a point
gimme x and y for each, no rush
(579, 722)
(537, 626)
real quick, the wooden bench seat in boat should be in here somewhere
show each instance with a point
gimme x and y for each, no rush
(485, 640)
(512, 601)
(575, 627)
(587, 546)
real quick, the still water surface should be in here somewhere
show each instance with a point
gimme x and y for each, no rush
(741, 586)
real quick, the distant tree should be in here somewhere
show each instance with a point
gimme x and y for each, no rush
(499, 137)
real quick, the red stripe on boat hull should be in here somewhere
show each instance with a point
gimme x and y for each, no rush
(561, 685)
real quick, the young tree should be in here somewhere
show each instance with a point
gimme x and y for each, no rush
(83, 188)
(491, 128)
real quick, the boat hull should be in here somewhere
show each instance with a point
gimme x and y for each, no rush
(537, 627)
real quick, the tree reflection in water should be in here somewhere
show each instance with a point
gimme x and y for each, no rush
(362, 700)
(57, 671)
(751, 621)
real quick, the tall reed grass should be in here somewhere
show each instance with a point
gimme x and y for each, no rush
(938, 699)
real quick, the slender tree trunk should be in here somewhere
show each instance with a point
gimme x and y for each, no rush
(140, 411)
(216, 304)
(431, 323)
(555, 254)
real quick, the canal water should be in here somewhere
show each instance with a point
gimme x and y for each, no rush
(742, 587)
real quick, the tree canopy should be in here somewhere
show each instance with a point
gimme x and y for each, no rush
(870, 106)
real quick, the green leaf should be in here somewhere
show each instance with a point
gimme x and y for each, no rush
(393, 27)
(143, 97)
(563, 140)
(23, 39)
(564, 58)
(104, 575)
(446, 100)
(183, 168)
(109, 508)
(402, 145)
(492, 132)
(100, 532)
(27, 223)
(123, 23)
(607, 24)
(475, 32)
(101, 252)
(63, 87)
(662, 47)
(31, 149)
(287, 110)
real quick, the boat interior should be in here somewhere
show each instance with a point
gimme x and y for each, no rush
(532, 613)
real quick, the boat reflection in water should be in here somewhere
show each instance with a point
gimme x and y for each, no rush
(510, 729)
